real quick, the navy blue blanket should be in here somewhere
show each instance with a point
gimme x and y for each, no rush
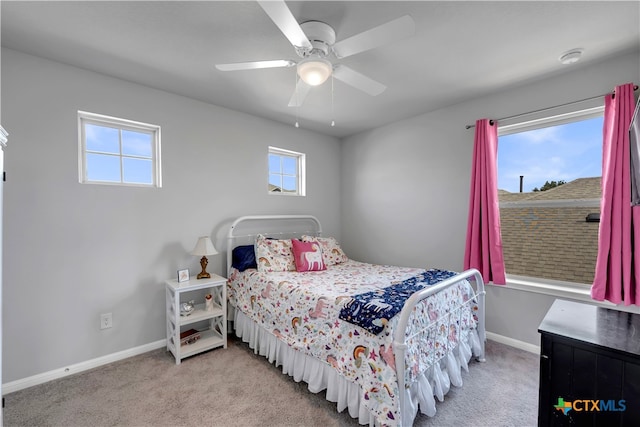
(372, 310)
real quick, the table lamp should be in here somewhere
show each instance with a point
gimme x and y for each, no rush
(203, 248)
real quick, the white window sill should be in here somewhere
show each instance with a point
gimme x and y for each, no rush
(565, 290)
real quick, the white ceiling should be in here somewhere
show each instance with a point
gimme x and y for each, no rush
(460, 50)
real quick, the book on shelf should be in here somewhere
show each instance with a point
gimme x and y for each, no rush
(189, 337)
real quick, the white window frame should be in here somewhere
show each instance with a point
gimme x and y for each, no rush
(557, 288)
(300, 170)
(120, 124)
(558, 119)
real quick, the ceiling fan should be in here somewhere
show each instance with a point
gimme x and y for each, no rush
(315, 41)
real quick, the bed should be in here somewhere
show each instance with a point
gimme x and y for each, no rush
(383, 341)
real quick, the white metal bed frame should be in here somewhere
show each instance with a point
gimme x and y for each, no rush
(232, 238)
(399, 337)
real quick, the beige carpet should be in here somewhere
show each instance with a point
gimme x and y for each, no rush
(234, 387)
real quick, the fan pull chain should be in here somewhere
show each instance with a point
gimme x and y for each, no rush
(333, 113)
(297, 125)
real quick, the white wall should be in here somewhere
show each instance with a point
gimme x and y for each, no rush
(74, 251)
(405, 186)
(1, 199)
(397, 194)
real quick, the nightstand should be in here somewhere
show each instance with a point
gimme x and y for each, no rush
(210, 324)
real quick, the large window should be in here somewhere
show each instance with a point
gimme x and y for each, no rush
(118, 151)
(549, 173)
(286, 172)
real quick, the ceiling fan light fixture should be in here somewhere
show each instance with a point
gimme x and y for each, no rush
(314, 71)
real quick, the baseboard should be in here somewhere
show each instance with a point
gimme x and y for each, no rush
(79, 367)
(114, 357)
(531, 348)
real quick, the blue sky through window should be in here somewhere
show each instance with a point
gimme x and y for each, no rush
(137, 171)
(107, 147)
(563, 152)
(101, 167)
(283, 172)
(102, 139)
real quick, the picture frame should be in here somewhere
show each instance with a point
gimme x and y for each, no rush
(183, 275)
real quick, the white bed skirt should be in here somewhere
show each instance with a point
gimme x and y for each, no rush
(348, 395)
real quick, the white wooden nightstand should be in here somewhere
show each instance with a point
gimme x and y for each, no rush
(211, 324)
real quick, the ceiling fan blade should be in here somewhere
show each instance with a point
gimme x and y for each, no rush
(377, 36)
(284, 19)
(255, 65)
(357, 80)
(301, 92)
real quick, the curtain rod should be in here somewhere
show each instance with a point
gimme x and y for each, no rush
(635, 87)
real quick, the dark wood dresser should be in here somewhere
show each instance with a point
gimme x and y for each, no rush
(590, 362)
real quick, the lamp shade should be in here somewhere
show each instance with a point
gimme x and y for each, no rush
(314, 71)
(204, 247)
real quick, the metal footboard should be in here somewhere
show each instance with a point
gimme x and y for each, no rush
(400, 339)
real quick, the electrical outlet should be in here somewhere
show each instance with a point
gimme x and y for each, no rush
(106, 321)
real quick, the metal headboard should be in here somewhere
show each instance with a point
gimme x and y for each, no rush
(271, 226)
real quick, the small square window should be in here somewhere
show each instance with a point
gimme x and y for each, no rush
(286, 172)
(118, 151)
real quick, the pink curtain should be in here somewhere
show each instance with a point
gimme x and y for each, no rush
(484, 243)
(617, 275)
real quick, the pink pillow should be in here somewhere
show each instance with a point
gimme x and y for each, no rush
(307, 256)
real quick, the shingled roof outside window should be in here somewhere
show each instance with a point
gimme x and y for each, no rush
(545, 234)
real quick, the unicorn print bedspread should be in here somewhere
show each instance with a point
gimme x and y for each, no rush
(302, 309)
(373, 310)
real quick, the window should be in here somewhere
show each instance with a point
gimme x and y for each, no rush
(286, 172)
(549, 173)
(118, 151)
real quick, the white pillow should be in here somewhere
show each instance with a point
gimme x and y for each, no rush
(332, 253)
(274, 254)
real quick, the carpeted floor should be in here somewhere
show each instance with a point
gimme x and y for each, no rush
(234, 387)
